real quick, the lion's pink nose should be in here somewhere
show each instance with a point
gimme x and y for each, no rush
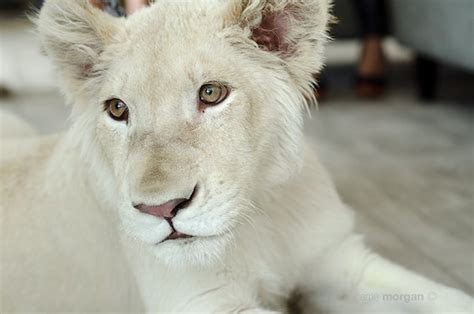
(166, 210)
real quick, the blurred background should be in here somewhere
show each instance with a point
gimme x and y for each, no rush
(395, 124)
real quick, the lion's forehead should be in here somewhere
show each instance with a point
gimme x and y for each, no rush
(172, 21)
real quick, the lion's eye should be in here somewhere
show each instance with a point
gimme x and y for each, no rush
(213, 93)
(117, 109)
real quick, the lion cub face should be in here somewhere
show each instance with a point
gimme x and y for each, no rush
(190, 110)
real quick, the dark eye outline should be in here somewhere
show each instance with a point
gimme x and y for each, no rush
(113, 101)
(225, 91)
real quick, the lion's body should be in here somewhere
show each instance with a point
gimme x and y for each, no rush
(13, 127)
(262, 218)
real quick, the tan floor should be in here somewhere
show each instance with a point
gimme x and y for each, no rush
(408, 170)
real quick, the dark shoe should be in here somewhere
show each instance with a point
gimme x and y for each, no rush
(369, 86)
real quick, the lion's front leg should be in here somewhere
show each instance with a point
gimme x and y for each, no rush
(220, 306)
(190, 289)
(351, 279)
(226, 301)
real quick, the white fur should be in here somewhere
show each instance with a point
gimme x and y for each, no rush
(266, 218)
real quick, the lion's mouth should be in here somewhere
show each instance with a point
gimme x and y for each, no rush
(177, 235)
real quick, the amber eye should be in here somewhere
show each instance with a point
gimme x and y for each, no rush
(117, 109)
(213, 93)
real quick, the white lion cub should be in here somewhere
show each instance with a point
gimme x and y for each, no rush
(186, 165)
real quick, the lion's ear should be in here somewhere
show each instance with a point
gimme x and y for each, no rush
(74, 34)
(293, 30)
(286, 26)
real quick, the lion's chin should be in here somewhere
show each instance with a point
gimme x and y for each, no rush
(192, 251)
